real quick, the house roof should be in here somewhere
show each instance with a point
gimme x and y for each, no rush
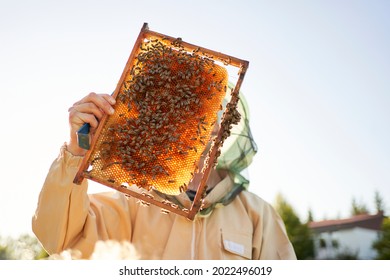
(373, 222)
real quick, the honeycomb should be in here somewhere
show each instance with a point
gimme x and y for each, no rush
(165, 113)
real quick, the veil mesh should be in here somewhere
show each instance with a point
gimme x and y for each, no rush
(237, 154)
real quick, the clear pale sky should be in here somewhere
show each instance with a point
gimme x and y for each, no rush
(317, 84)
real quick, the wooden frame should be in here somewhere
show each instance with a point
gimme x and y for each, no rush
(144, 196)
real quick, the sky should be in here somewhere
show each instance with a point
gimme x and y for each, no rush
(317, 86)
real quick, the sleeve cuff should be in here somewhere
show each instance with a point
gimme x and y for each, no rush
(70, 159)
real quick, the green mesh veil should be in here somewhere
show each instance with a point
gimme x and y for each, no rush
(239, 148)
(237, 154)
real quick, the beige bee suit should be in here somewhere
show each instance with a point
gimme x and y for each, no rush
(67, 217)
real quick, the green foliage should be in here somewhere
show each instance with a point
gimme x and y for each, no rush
(299, 233)
(379, 204)
(310, 216)
(358, 208)
(382, 245)
(25, 247)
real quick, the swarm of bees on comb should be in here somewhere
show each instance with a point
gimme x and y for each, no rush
(167, 107)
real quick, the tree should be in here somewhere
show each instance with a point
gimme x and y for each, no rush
(358, 208)
(310, 216)
(299, 233)
(382, 245)
(379, 204)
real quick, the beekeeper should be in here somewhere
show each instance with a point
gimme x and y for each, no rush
(233, 224)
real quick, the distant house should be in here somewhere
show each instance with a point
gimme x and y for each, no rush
(350, 238)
